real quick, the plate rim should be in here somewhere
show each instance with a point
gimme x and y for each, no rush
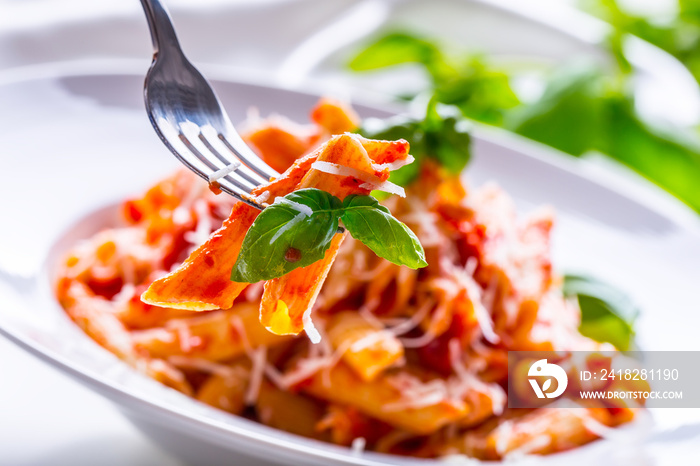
(657, 200)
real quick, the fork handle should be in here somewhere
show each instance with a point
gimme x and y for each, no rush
(161, 27)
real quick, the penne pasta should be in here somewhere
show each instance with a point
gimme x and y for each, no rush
(365, 348)
(215, 336)
(289, 411)
(226, 391)
(396, 360)
(384, 398)
(538, 432)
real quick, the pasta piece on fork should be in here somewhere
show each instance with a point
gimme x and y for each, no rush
(345, 165)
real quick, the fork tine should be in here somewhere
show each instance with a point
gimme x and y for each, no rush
(248, 157)
(229, 189)
(244, 172)
(169, 135)
(195, 135)
(212, 168)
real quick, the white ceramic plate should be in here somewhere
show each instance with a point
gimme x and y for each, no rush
(77, 142)
(302, 40)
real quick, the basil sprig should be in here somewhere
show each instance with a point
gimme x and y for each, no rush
(442, 134)
(297, 230)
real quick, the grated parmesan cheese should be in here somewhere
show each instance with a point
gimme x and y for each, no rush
(205, 365)
(227, 170)
(395, 165)
(263, 197)
(309, 328)
(370, 181)
(358, 446)
(204, 224)
(259, 360)
(297, 218)
(301, 208)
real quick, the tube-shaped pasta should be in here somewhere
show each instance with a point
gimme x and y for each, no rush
(94, 315)
(165, 373)
(289, 411)
(137, 315)
(334, 116)
(216, 336)
(385, 400)
(280, 142)
(540, 432)
(203, 282)
(366, 349)
(226, 392)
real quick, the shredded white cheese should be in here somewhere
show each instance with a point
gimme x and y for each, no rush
(395, 165)
(204, 224)
(304, 209)
(370, 181)
(309, 328)
(415, 394)
(259, 360)
(297, 218)
(263, 197)
(228, 169)
(358, 446)
(205, 365)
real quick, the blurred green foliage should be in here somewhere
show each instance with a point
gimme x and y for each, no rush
(679, 35)
(607, 314)
(583, 107)
(481, 93)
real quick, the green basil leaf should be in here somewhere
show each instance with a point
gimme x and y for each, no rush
(607, 314)
(393, 49)
(293, 232)
(447, 137)
(391, 129)
(577, 114)
(480, 92)
(443, 135)
(372, 224)
(569, 116)
(668, 157)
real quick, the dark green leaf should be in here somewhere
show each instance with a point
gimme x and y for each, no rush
(607, 314)
(265, 252)
(447, 137)
(372, 224)
(391, 129)
(443, 135)
(297, 230)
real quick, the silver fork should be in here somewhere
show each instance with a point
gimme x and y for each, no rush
(189, 118)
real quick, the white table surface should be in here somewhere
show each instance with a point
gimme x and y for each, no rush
(48, 419)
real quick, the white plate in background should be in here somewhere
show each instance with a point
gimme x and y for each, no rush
(301, 40)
